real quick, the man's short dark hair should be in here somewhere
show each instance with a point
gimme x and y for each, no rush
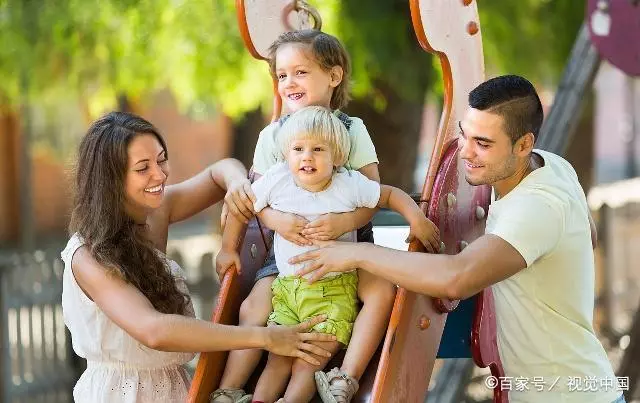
(515, 99)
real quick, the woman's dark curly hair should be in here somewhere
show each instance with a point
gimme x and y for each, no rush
(99, 215)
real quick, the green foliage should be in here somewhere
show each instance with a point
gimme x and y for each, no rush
(383, 46)
(532, 38)
(96, 49)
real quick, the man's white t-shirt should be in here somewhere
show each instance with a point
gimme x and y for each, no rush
(544, 313)
(277, 189)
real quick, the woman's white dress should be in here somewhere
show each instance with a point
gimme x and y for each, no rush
(119, 368)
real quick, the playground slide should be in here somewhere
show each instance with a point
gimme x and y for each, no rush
(402, 367)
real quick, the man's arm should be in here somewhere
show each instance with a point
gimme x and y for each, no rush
(517, 239)
(486, 261)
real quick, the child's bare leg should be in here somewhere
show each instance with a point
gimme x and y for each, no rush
(254, 311)
(377, 296)
(273, 379)
(302, 386)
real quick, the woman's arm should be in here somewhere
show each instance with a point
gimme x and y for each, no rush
(128, 308)
(187, 198)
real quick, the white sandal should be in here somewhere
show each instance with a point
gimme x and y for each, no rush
(230, 395)
(336, 392)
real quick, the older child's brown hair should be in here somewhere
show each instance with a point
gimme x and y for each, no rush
(327, 51)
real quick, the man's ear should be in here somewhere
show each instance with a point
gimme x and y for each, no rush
(335, 74)
(524, 145)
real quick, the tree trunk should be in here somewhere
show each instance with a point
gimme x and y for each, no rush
(245, 136)
(395, 132)
(400, 71)
(124, 103)
(9, 181)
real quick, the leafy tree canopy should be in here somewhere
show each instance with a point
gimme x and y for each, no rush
(97, 49)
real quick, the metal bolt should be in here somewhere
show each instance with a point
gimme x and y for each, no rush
(463, 244)
(443, 247)
(451, 200)
(472, 28)
(424, 322)
(253, 250)
(480, 213)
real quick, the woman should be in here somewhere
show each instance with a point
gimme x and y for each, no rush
(126, 305)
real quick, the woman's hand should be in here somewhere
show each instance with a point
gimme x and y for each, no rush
(293, 341)
(225, 260)
(239, 201)
(327, 227)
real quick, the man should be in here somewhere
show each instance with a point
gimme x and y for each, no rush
(536, 253)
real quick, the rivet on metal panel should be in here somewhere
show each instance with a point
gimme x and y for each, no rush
(462, 245)
(451, 200)
(480, 213)
(424, 322)
(443, 247)
(254, 250)
(472, 28)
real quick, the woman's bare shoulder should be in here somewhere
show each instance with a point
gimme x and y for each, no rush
(90, 274)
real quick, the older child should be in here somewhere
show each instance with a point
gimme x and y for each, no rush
(311, 181)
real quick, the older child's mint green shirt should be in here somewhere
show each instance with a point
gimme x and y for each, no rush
(362, 151)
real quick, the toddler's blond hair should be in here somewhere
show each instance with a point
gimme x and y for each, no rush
(319, 123)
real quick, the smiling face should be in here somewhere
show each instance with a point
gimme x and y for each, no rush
(485, 148)
(146, 176)
(310, 160)
(301, 80)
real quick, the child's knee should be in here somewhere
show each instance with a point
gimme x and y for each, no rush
(252, 312)
(378, 292)
(303, 369)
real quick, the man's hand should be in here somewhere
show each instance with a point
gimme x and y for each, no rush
(332, 257)
(239, 201)
(327, 227)
(293, 341)
(288, 225)
(225, 260)
(426, 232)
